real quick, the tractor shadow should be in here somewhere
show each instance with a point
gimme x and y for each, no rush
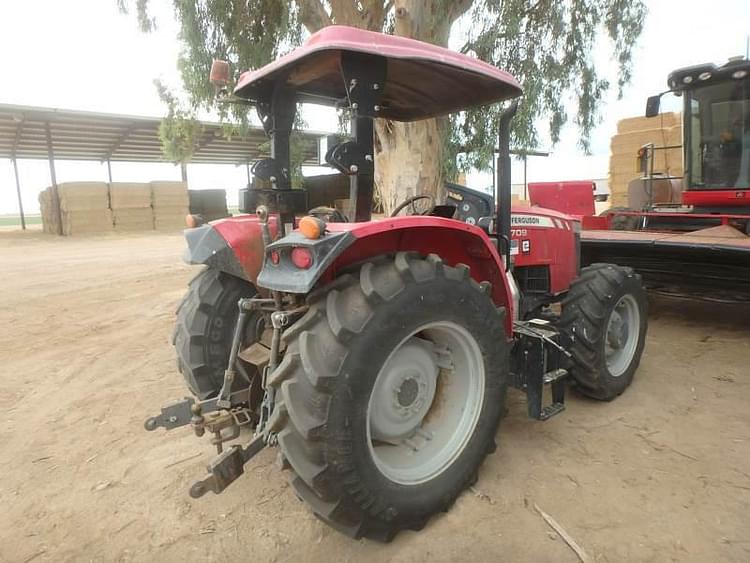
(729, 317)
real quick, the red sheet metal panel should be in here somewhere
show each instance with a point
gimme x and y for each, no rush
(573, 197)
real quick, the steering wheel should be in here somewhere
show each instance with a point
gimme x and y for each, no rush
(411, 201)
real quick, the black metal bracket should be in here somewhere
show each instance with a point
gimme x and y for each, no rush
(349, 158)
(538, 359)
(268, 170)
(364, 76)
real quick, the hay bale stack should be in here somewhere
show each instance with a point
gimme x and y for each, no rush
(84, 209)
(83, 196)
(131, 206)
(210, 204)
(632, 134)
(50, 220)
(170, 202)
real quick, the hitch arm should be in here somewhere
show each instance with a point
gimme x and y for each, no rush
(226, 467)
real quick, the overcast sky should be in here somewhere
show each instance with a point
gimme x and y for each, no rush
(83, 54)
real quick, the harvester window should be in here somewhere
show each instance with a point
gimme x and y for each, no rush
(719, 136)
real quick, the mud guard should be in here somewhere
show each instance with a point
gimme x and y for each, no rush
(206, 246)
(345, 244)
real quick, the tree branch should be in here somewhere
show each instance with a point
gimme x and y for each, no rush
(373, 14)
(458, 9)
(313, 15)
(345, 12)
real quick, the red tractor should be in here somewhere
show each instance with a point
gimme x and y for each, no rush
(376, 354)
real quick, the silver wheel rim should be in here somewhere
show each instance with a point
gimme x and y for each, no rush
(621, 340)
(425, 403)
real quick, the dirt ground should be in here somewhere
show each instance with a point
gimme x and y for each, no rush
(661, 474)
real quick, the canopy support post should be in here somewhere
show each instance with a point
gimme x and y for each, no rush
(183, 171)
(18, 192)
(56, 211)
(109, 171)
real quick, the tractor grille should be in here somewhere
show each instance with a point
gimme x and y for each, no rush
(532, 279)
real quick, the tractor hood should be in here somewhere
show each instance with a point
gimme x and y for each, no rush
(422, 81)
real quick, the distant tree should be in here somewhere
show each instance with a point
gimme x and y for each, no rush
(547, 44)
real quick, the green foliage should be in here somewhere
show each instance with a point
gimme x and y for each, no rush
(546, 44)
(179, 131)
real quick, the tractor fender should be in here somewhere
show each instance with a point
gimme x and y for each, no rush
(345, 244)
(233, 245)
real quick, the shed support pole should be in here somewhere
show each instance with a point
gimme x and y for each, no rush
(183, 169)
(247, 169)
(18, 191)
(56, 212)
(109, 171)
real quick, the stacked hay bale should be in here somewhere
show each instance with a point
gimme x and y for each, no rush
(131, 206)
(170, 203)
(50, 220)
(210, 204)
(632, 134)
(84, 209)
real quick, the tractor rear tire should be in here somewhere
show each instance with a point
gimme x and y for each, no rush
(604, 315)
(353, 376)
(205, 327)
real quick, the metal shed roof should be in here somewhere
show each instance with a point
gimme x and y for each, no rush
(81, 135)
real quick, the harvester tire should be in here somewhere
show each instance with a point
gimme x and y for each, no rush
(204, 329)
(604, 316)
(347, 369)
(621, 222)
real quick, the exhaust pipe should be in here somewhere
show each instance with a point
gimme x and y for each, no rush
(502, 198)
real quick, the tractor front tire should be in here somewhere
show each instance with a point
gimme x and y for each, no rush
(604, 316)
(389, 394)
(205, 327)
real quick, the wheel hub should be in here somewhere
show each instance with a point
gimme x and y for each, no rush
(425, 403)
(622, 335)
(617, 335)
(404, 391)
(408, 392)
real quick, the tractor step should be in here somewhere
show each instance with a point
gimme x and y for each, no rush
(549, 411)
(554, 375)
(537, 361)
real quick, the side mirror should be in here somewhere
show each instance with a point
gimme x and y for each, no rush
(652, 106)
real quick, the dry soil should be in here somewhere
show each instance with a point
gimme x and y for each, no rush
(660, 474)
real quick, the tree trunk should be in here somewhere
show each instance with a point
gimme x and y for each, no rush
(407, 161)
(408, 157)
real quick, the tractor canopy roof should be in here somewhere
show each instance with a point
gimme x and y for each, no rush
(422, 80)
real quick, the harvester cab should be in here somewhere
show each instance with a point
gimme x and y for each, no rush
(375, 354)
(716, 134)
